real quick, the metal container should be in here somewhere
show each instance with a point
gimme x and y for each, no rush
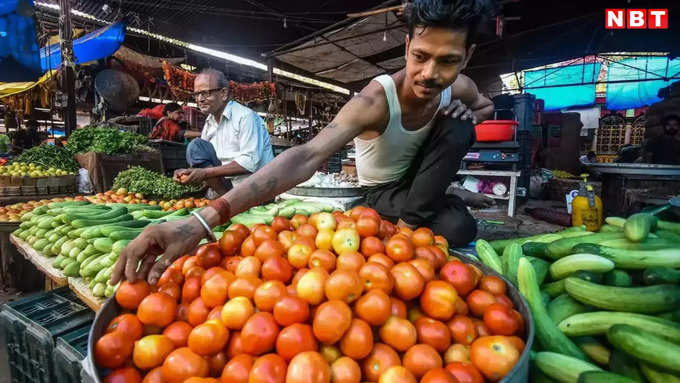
(519, 374)
(308, 191)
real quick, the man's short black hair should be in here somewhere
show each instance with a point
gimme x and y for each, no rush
(670, 118)
(171, 107)
(454, 14)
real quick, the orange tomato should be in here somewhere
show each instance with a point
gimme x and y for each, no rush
(236, 312)
(398, 333)
(463, 330)
(311, 286)
(262, 233)
(368, 226)
(217, 270)
(387, 229)
(154, 376)
(465, 372)
(494, 356)
(500, 320)
(434, 333)
(151, 351)
(208, 338)
(326, 221)
(248, 247)
(268, 293)
(128, 324)
(172, 289)
(244, 287)
(424, 267)
(280, 224)
(191, 289)
(182, 312)
(215, 290)
(459, 275)
(173, 275)
(299, 253)
(504, 301)
(322, 258)
(421, 358)
(408, 283)
(157, 309)
(517, 342)
(399, 249)
(439, 256)
(248, 267)
(130, 295)
(287, 238)
(298, 220)
(357, 341)
(350, 260)
(346, 239)
(381, 358)
(343, 285)
(235, 346)
(324, 239)
(209, 255)
(397, 374)
(439, 375)
(113, 349)
(178, 333)
(308, 367)
(407, 232)
(457, 353)
(438, 300)
(345, 370)
(307, 230)
(123, 375)
(422, 236)
(182, 364)
(237, 369)
(230, 242)
(277, 268)
(295, 339)
(198, 312)
(398, 308)
(269, 248)
(331, 320)
(269, 368)
(478, 301)
(291, 309)
(374, 307)
(376, 276)
(195, 271)
(372, 245)
(461, 306)
(425, 253)
(381, 259)
(481, 328)
(259, 333)
(492, 284)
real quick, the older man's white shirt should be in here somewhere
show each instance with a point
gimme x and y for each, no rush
(240, 136)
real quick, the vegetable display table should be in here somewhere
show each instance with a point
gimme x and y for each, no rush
(44, 264)
(511, 196)
(16, 271)
(83, 291)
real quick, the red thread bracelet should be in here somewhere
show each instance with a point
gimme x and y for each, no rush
(223, 209)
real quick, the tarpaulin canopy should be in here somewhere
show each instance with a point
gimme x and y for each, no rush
(96, 45)
(12, 88)
(642, 71)
(19, 52)
(551, 85)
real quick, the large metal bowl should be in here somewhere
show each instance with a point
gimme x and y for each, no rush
(519, 374)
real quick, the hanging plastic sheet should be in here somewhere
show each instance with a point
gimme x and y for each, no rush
(93, 46)
(19, 52)
(628, 95)
(554, 89)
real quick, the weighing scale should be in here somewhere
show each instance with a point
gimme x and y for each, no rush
(503, 154)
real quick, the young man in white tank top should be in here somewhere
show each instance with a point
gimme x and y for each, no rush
(412, 129)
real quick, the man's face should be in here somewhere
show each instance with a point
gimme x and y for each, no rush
(210, 98)
(672, 127)
(434, 58)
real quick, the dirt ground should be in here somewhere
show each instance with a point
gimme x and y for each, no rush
(521, 225)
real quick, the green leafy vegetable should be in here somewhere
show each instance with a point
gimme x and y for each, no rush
(153, 185)
(104, 140)
(49, 156)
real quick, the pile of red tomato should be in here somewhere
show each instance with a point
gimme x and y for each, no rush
(339, 297)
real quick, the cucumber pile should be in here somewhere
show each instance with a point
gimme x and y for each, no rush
(86, 238)
(606, 305)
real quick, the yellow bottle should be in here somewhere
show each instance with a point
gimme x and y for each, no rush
(586, 208)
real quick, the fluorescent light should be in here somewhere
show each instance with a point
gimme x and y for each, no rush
(212, 52)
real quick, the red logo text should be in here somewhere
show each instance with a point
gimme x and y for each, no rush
(636, 18)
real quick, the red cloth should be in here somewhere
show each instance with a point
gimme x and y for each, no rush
(156, 112)
(167, 129)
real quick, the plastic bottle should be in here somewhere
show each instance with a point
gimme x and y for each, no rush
(586, 209)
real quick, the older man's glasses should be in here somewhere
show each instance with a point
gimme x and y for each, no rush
(205, 93)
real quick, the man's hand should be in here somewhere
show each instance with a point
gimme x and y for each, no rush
(456, 109)
(190, 176)
(172, 239)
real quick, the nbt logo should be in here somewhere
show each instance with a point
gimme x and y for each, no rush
(636, 19)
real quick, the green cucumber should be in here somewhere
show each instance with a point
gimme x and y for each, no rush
(113, 213)
(670, 226)
(603, 377)
(580, 262)
(102, 262)
(57, 261)
(598, 322)
(488, 256)
(500, 244)
(56, 247)
(617, 277)
(46, 223)
(638, 226)
(554, 289)
(510, 261)
(110, 290)
(287, 212)
(624, 364)
(588, 276)
(659, 275)
(594, 349)
(671, 316)
(155, 214)
(658, 375)
(98, 290)
(74, 252)
(535, 249)
(78, 223)
(72, 269)
(606, 228)
(563, 247)
(642, 259)
(54, 205)
(668, 235)
(547, 333)
(104, 274)
(119, 245)
(251, 220)
(134, 206)
(541, 267)
(645, 346)
(103, 244)
(40, 244)
(616, 221)
(649, 299)
(66, 247)
(537, 376)
(86, 253)
(563, 307)
(563, 368)
(125, 234)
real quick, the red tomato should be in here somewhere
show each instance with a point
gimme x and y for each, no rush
(500, 320)
(269, 368)
(295, 339)
(465, 372)
(494, 356)
(459, 275)
(308, 367)
(259, 333)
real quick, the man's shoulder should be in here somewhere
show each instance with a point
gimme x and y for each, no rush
(240, 109)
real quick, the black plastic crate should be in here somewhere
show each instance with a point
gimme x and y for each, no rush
(70, 350)
(31, 326)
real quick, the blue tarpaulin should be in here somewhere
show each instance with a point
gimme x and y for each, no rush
(630, 95)
(96, 45)
(19, 51)
(560, 97)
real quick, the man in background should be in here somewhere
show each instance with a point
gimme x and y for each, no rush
(664, 149)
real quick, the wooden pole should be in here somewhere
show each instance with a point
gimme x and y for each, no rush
(67, 66)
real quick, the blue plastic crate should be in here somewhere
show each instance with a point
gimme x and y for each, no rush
(70, 350)
(31, 326)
